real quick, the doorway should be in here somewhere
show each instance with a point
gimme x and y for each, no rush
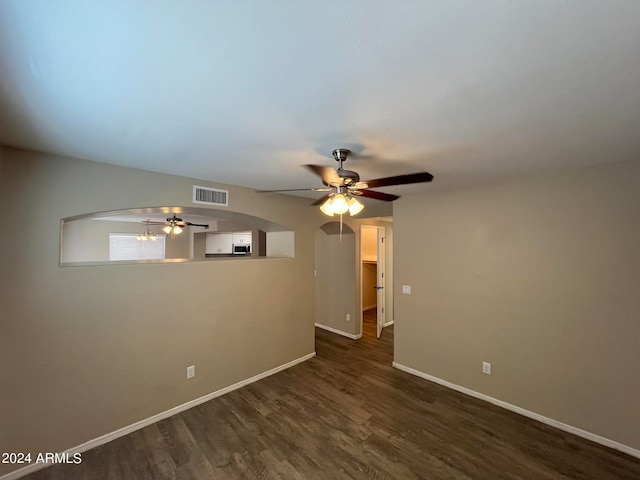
(373, 279)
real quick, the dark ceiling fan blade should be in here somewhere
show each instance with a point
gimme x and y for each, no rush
(421, 177)
(386, 197)
(295, 190)
(196, 224)
(329, 175)
(321, 200)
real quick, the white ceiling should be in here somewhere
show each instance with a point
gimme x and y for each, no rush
(244, 92)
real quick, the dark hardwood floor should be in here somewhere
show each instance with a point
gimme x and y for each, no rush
(347, 414)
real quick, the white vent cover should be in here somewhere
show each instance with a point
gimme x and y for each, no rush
(210, 196)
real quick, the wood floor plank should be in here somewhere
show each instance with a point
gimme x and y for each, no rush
(348, 414)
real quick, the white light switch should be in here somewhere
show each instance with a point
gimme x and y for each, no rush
(406, 289)
(191, 371)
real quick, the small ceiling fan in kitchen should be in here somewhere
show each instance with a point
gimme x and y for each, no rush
(343, 186)
(175, 225)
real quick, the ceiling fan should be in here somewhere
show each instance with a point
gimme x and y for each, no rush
(342, 185)
(175, 225)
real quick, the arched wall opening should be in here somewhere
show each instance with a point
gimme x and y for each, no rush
(89, 238)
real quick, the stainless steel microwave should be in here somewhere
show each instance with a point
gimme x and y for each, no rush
(241, 249)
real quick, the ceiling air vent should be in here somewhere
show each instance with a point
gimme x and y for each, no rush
(210, 196)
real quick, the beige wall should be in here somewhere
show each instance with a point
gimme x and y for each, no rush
(538, 276)
(337, 291)
(91, 349)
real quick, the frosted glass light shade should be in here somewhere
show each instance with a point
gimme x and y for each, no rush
(339, 204)
(355, 206)
(326, 208)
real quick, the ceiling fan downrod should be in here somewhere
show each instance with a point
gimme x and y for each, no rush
(341, 155)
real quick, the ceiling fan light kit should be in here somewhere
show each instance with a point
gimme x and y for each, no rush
(343, 184)
(175, 230)
(340, 203)
(147, 234)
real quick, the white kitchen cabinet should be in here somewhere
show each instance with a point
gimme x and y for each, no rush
(218, 243)
(222, 243)
(241, 239)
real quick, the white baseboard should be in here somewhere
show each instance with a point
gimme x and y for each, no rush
(388, 324)
(156, 418)
(339, 332)
(548, 421)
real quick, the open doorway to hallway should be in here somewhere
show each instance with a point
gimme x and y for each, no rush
(373, 279)
(340, 273)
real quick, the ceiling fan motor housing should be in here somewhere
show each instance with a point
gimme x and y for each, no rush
(348, 177)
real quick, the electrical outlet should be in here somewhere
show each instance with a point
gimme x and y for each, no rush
(406, 289)
(191, 371)
(348, 317)
(486, 368)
